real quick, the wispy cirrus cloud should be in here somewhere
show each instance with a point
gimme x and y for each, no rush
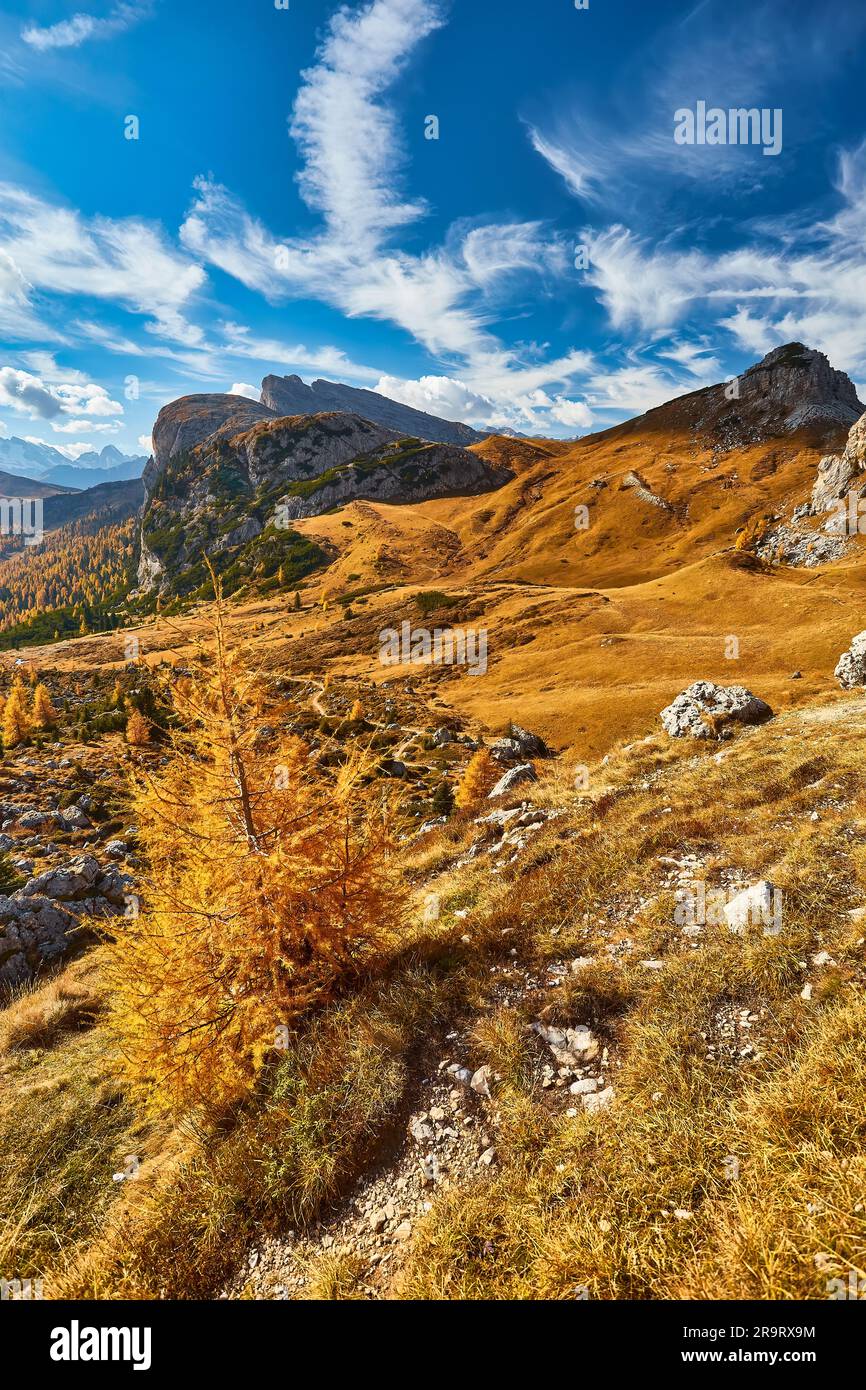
(352, 161)
(800, 279)
(84, 28)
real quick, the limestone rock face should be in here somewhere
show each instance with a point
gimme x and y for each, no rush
(839, 474)
(792, 388)
(706, 710)
(851, 667)
(801, 382)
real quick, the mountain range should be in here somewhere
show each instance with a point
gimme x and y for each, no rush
(236, 478)
(31, 459)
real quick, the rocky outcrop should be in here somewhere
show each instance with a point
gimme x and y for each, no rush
(42, 921)
(633, 482)
(515, 777)
(850, 669)
(706, 710)
(190, 420)
(839, 474)
(792, 388)
(397, 470)
(289, 395)
(518, 745)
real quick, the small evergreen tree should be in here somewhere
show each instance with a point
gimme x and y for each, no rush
(443, 799)
(263, 893)
(16, 721)
(137, 730)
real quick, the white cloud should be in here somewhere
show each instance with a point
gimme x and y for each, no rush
(127, 261)
(146, 443)
(70, 33)
(243, 388)
(58, 396)
(575, 414)
(17, 318)
(348, 139)
(86, 427)
(438, 395)
(801, 281)
(238, 341)
(582, 177)
(532, 410)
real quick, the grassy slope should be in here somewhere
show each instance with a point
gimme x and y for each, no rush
(574, 1202)
(587, 648)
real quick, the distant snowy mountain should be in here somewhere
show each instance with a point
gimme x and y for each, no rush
(32, 460)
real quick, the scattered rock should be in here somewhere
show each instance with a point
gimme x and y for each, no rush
(515, 777)
(572, 1047)
(706, 710)
(518, 746)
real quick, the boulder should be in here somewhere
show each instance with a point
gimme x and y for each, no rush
(517, 746)
(515, 777)
(32, 931)
(704, 710)
(74, 881)
(851, 667)
(73, 818)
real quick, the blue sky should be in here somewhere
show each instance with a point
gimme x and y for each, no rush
(282, 210)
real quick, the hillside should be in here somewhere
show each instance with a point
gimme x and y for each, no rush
(539, 1059)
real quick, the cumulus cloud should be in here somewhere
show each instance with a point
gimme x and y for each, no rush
(70, 404)
(243, 388)
(530, 411)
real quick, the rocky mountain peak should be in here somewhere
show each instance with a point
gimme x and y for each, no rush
(289, 395)
(793, 388)
(801, 381)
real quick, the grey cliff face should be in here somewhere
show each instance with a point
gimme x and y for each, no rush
(289, 395)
